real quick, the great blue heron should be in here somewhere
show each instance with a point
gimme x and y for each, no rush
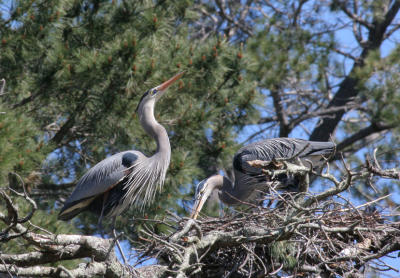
(248, 179)
(126, 178)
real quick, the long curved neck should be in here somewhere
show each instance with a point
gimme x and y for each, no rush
(227, 193)
(155, 130)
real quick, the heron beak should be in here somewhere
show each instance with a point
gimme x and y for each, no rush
(198, 205)
(169, 82)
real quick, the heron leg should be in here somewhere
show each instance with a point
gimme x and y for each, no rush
(100, 223)
(221, 210)
(117, 241)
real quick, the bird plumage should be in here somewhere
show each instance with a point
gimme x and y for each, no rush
(127, 178)
(142, 174)
(249, 180)
(99, 179)
(269, 149)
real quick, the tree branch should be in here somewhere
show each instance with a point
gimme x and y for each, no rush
(245, 242)
(257, 240)
(280, 113)
(363, 133)
(347, 89)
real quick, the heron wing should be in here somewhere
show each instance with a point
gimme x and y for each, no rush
(270, 149)
(248, 178)
(99, 179)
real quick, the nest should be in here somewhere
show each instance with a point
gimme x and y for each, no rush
(332, 237)
(300, 235)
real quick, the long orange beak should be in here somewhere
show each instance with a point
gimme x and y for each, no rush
(198, 205)
(169, 82)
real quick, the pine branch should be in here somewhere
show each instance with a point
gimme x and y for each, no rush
(347, 89)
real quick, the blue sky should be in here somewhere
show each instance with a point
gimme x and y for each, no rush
(347, 40)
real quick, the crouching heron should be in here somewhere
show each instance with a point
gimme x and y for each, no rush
(249, 179)
(127, 178)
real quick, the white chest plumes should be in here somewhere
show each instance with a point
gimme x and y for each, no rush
(145, 179)
(129, 177)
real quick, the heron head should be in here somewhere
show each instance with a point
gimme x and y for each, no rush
(151, 96)
(203, 191)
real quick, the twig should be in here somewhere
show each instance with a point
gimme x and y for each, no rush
(2, 86)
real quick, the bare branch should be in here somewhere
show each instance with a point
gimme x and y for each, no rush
(375, 169)
(353, 16)
(254, 241)
(242, 243)
(2, 86)
(280, 112)
(348, 87)
(363, 133)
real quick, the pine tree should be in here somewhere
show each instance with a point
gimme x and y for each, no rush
(79, 69)
(75, 71)
(22, 152)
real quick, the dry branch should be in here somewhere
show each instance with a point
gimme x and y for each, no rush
(333, 238)
(53, 248)
(318, 234)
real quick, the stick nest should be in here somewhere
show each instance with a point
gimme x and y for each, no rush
(330, 237)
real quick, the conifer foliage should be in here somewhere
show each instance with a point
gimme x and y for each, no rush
(75, 71)
(79, 68)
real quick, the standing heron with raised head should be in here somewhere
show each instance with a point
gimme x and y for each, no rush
(127, 178)
(249, 180)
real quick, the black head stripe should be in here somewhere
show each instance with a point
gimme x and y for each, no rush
(128, 159)
(144, 95)
(200, 186)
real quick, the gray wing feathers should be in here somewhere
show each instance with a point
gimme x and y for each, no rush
(313, 148)
(100, 177)
(248, 178)
(288, 147)
(270, 149)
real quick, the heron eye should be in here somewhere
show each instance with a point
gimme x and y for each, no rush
(154, 91)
